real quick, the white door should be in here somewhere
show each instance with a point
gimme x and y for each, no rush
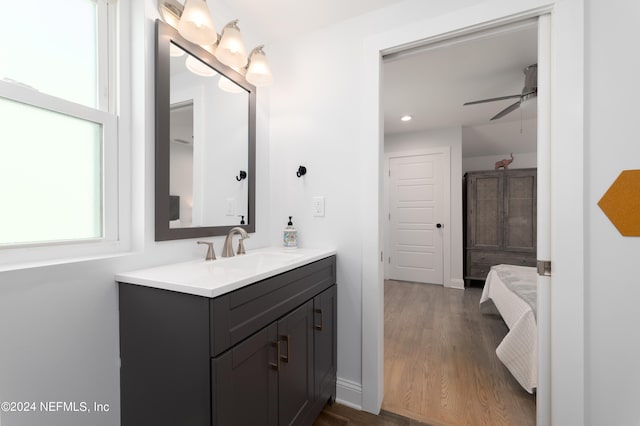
(416, 200)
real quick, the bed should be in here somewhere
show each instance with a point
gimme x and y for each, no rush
(513, 292)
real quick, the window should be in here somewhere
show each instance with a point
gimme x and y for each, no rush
(58, 125)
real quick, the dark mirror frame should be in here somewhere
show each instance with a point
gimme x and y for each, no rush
(165, 34)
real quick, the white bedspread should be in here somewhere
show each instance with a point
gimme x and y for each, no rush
(518, 351)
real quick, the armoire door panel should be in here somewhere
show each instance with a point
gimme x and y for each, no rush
(520, 208)
(486, 216)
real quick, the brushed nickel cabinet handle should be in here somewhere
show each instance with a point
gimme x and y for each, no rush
(319, 327)
(276, 365)
(287, 357)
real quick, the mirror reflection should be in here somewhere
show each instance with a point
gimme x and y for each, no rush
(208, 152)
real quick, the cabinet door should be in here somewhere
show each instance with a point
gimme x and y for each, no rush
(245, 382)
(325, 339)
(295, 381)
(520, 211)
(484, 203)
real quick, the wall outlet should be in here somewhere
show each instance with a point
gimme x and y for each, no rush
(318, 206)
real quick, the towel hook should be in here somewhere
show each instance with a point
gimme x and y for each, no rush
(243, 175)
(302, 170)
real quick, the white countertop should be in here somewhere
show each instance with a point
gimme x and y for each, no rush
(217, 277)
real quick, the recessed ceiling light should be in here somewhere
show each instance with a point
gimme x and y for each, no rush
(406, 118)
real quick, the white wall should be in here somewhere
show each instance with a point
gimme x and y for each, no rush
(611, 145)
(451, 138)
(315, 111)
(487, 162)
(59, 324)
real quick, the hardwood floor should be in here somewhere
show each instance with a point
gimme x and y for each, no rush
(440, 362)
(339, 415)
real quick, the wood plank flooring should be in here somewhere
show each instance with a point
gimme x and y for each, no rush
(339, 415)
(440, 362)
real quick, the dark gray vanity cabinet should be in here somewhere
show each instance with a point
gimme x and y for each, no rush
(268, 378)
(264, 354)
(325, 354)
(245, 386)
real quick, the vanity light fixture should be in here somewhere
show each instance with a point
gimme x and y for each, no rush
(258, 70)
(175, 51)
(198, 68)
(196, 24)
(231, 49)
(193, 21)
(229, 86)
(406, 118)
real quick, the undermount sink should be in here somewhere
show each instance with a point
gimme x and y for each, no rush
(259, 260)
(217, 277)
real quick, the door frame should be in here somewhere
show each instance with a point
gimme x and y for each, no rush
(446, 208)
(566, 387)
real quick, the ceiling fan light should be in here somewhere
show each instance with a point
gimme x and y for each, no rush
(259, 72)
(196, 24)
(231, 50)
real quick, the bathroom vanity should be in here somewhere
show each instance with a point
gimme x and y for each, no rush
(247, 340)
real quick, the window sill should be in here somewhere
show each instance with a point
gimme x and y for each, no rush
(15, 259)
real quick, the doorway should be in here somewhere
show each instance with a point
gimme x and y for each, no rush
(438, 346)
(371, 397)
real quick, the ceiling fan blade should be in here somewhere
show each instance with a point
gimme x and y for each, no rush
(507, 110)
(492, 99)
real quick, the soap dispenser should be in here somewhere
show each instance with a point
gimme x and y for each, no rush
(290, 236)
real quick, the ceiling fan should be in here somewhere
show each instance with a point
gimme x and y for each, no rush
(529, 91)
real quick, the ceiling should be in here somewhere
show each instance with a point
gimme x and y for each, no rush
(279, 19)
(433, 82)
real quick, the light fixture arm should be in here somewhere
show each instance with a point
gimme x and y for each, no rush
(257, 49)
(233, 24)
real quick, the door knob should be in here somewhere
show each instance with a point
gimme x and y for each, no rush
(439, 225)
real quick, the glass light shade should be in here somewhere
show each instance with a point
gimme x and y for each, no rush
(198, 68)
(230, 50)
(170, 14)
(228, 86)
(259, 72)
(196, 24)
(175, 51)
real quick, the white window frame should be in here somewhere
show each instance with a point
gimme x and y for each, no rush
(115, 196)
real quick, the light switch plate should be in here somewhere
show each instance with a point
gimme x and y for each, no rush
(318, 206)
(230, 207)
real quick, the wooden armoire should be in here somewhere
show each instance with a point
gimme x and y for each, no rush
(500, 220)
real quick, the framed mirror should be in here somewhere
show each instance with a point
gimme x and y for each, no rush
(205, 142)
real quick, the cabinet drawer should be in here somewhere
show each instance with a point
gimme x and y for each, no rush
(478, 272)
(497, 258)
(237, 315)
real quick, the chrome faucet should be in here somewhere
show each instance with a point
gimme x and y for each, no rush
(211, 255)
(227, 249)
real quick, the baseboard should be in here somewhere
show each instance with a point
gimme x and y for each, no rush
(349, 393)
(456, 283)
